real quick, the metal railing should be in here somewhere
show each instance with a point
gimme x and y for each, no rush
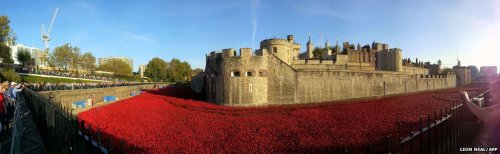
(25, 135)
(60, 131)
(445, 132)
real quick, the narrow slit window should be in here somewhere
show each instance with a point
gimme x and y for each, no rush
(249, 74)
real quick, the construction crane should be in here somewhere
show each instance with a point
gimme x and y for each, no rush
(46, 34)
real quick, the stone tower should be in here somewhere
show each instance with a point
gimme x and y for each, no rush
(285, 49)
(390, 60)
(327, 52)
(310, 49)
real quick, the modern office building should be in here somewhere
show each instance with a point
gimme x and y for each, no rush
(37, 54)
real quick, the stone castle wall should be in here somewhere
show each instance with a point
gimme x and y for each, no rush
(329, 85)
(284, 84)
(67, 97)
(275, 75)
(320, 86)
(245, 78)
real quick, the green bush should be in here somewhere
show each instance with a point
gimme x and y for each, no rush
(10, 75)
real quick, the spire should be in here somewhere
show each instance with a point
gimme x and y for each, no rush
(309, 42)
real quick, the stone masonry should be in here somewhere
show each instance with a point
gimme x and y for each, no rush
(278, 73)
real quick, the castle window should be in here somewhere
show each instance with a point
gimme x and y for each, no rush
(275, 49)
(249, 74)
(235, 73)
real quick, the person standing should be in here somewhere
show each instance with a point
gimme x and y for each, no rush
(4, 102)
(2, 111)
(490, 115)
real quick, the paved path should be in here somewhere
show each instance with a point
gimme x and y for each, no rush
(26, 137)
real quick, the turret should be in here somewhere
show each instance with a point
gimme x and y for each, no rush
(327, 51)
(310, 48)
(284, 49)
(385, 46)
(345, 45)
(290, 38)
(228, 52)
(390, 60)
(246, 52)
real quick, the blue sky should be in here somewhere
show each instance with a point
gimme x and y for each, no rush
(187, 30)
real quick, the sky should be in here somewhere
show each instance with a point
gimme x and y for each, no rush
(187, 30)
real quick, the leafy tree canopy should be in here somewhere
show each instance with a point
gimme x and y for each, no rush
(23, 56)
(5, 34)
(156, 69)
(117, 66)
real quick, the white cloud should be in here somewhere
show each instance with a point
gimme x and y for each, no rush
(132, 36)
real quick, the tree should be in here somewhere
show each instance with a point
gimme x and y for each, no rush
(178, 71)
(117, 66)
(172, 71)
(5, 54)
(51, 60)
(75, 58)
(196, 71)
(5, 34)
(318, 52)
(23, 56)
(10, 75)
(184, 71)
(156, 69)
(62, 56)
(88, 61)
(5, 30)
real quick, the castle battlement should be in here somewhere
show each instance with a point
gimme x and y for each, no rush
(275, 40)
(277, 73)
(278, 41)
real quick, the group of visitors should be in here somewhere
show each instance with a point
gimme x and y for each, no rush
(63, 74)
(9, 93)
(73, 86)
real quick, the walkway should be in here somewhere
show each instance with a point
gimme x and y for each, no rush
(26, 137)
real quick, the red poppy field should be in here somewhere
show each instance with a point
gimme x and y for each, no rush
(168, 121)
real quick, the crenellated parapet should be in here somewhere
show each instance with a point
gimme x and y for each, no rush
(229, 59)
